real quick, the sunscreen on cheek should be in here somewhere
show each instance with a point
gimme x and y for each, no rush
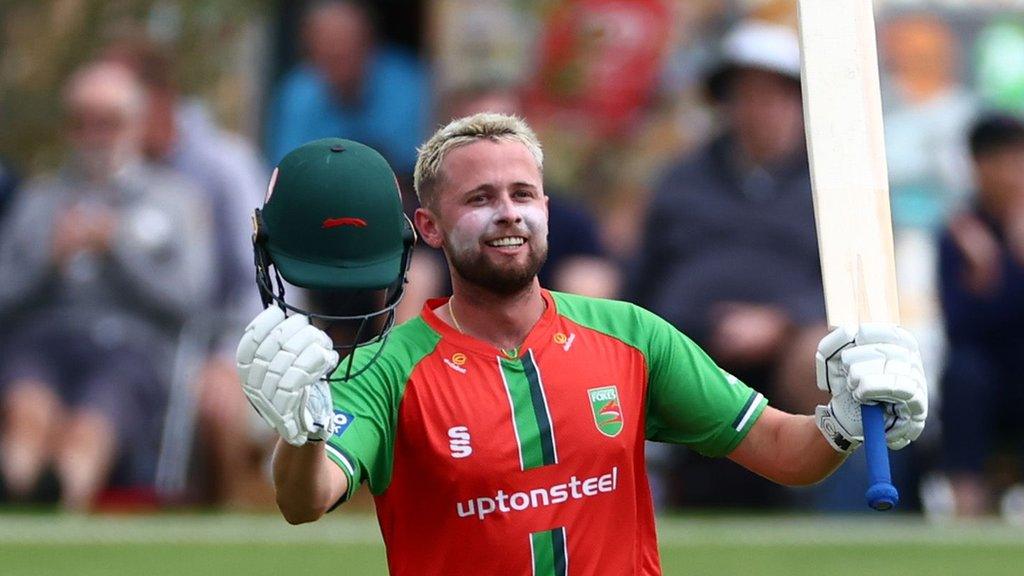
(465, 236)
(536, 220)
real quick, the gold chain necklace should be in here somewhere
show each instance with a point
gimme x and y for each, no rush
(510, 352)
(451, 312)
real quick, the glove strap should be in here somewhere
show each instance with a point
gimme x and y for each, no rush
(830, 428)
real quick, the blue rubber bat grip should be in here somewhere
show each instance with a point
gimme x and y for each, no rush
(881, 494)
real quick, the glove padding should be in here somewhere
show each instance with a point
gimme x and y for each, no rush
(877, 364)
(282, 363)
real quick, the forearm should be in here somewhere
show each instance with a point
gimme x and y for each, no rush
(787, 449)
(805, 457)
(307, 483)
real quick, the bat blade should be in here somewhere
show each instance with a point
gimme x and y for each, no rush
(846, 148)
(849, 177)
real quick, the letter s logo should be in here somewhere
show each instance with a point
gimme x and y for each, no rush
(459, 441)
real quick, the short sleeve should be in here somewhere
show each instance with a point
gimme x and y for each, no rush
(363, 428)
(690, 400)
(366, 405)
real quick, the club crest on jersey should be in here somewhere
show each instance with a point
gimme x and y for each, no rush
(604, 402)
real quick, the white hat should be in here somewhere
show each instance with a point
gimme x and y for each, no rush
(758, 45)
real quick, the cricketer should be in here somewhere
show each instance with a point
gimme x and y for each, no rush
(502, 431)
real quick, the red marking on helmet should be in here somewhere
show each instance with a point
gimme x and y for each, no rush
(346, 221)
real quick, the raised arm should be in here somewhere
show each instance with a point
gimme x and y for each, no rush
(306, 482)
(282, 363)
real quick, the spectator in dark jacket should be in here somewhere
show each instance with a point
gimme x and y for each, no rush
(982, 288)
(729, 253)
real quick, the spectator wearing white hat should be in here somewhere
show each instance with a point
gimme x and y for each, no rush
(729, 252)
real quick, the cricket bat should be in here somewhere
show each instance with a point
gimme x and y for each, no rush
(846, 149)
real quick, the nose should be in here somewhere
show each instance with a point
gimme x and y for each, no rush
(508, 211)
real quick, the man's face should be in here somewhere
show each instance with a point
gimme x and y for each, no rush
(338, 40)
(490, 215)
(1000, 177)
(766, 112)
(103, 127)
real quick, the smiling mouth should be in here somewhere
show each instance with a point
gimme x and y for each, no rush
(506, 242)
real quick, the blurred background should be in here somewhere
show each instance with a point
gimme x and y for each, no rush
(136, 137)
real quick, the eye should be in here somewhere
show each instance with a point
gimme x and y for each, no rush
(477, 199)
(524, 193)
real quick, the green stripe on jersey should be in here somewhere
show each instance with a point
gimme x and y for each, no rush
(530, 415)
(540, 408)
(550, 557)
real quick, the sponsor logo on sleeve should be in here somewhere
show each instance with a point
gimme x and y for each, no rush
(340, 422)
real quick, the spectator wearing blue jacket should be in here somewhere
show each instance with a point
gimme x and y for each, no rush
(350, 86)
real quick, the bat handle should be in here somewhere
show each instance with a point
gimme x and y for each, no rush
(881, 494)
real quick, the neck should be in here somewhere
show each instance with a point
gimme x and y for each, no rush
(504, 320)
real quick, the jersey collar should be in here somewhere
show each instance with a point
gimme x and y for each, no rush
(539, 335)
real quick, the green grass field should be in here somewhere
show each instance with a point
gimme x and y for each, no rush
(229, 545)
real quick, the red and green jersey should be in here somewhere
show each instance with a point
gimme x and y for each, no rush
(484, 464)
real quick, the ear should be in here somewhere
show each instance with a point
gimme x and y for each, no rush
(430, 232)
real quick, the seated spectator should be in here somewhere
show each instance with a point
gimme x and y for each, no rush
(982, 289)
(729, 251)
(102, 263)
(181, 134)
(350, 86)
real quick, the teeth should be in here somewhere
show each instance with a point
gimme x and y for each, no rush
(509, 241)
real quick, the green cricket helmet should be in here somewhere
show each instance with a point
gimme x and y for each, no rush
(333, 221)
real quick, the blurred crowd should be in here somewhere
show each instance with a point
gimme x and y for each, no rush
(678, 178)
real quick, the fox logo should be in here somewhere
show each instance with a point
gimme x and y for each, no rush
(604, 402)
(458, 443)
(610, 413)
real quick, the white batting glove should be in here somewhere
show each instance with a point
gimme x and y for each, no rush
(282, 363)
(877, 364)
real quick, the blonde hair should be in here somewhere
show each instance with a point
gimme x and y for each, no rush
(463, 131)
